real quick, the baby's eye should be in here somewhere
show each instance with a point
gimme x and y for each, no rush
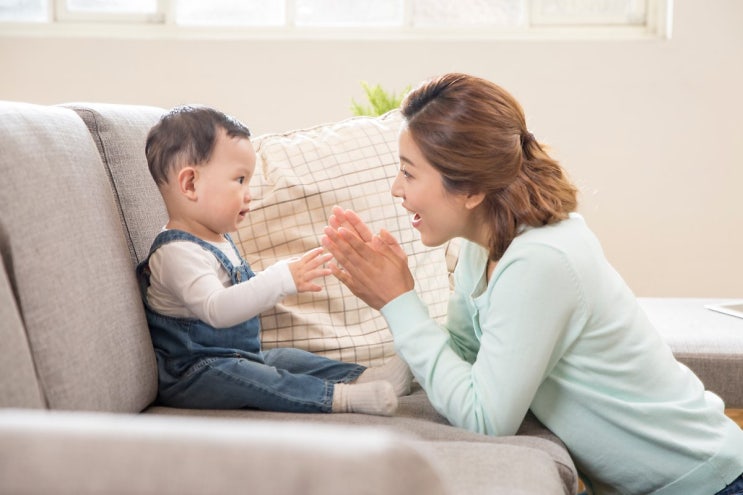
(241, 179)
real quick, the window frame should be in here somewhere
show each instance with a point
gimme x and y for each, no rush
(161, 24)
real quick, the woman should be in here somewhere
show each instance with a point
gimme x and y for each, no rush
(538, 319)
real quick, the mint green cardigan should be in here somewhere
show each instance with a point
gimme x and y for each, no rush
(556, 330)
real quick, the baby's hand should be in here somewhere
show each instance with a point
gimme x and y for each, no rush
(309, 267)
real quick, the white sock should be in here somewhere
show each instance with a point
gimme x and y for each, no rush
(367, 398)
(395, 371)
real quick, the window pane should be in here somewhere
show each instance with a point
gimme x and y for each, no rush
(23, 10)
(230, 13)
(113, 6)
(340, 13)
(589, 12)
(453, 13)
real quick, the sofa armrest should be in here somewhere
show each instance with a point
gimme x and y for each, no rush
(80, 453)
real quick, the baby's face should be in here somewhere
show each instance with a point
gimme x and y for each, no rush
(223, 184)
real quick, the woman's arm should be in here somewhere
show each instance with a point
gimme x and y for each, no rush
(522, 319)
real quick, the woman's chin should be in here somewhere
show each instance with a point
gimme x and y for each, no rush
(432, 242)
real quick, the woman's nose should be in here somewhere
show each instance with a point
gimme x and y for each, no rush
(396, 189)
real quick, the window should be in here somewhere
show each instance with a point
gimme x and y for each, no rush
(354, 18)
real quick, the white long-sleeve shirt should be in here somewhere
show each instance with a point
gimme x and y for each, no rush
(187, 281)
(556, 330)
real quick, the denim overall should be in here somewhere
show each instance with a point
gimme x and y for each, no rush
(734, 488)
(202, 367)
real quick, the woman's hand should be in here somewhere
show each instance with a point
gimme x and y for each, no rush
(350, 220)
(373, 267)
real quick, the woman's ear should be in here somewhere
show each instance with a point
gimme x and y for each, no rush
(473, 200)
(187, 182)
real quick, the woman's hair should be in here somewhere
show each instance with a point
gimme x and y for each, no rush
(187, 135)
(474, 133)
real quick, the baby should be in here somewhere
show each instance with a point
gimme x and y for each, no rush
(202, 300)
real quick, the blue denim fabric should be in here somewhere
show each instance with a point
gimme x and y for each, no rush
(201, 367)
(734, 488)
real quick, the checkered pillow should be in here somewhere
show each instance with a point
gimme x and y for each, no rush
(299, 176)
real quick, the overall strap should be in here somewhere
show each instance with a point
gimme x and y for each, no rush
(173, 235)
(237, 273)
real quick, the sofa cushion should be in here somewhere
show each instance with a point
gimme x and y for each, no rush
(18, 385)
(299, 176)
(468, 468)
(70, 266)
(91, 453)
(709, 343)
(120, 132)
(417, 418)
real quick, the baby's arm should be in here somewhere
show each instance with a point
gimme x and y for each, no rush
(187, 281)
(309, 267)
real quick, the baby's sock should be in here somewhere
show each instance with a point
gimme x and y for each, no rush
(395, 371)
(367, 398)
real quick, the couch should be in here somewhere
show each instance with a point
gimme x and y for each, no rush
(78, 410)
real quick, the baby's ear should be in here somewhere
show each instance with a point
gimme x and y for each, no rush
(187, 182)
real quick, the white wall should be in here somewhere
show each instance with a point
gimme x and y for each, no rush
(650, 130)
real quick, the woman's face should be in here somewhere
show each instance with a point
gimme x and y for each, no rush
(436, 213)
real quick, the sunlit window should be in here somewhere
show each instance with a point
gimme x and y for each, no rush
(24, 11)
(388, 16)
(113, 6)
(230, 13)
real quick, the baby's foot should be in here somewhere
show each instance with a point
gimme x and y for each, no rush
(376, 397)
(395, 371)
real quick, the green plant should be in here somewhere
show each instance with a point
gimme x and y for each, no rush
(380, 100)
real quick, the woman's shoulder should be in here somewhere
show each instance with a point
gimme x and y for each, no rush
(568, 244)
(566, 235)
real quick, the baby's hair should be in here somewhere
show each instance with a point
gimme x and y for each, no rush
(186, 135)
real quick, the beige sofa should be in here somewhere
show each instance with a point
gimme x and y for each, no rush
(77, 369)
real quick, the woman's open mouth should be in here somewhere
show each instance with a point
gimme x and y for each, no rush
(416, 220)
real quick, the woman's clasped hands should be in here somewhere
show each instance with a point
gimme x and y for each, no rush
(374, 267)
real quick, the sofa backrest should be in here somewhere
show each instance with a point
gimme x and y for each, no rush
(120, 132)
(18, 385)
(69, 269)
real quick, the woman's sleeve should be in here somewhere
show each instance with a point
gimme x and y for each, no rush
(532, 300)
(194, 279)
(459, 326)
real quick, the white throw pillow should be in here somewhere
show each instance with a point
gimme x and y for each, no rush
(299, 176)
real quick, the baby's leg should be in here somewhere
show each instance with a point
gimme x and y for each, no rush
(239, 383)
(395, 371)
(349, 394)
(307, 363)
